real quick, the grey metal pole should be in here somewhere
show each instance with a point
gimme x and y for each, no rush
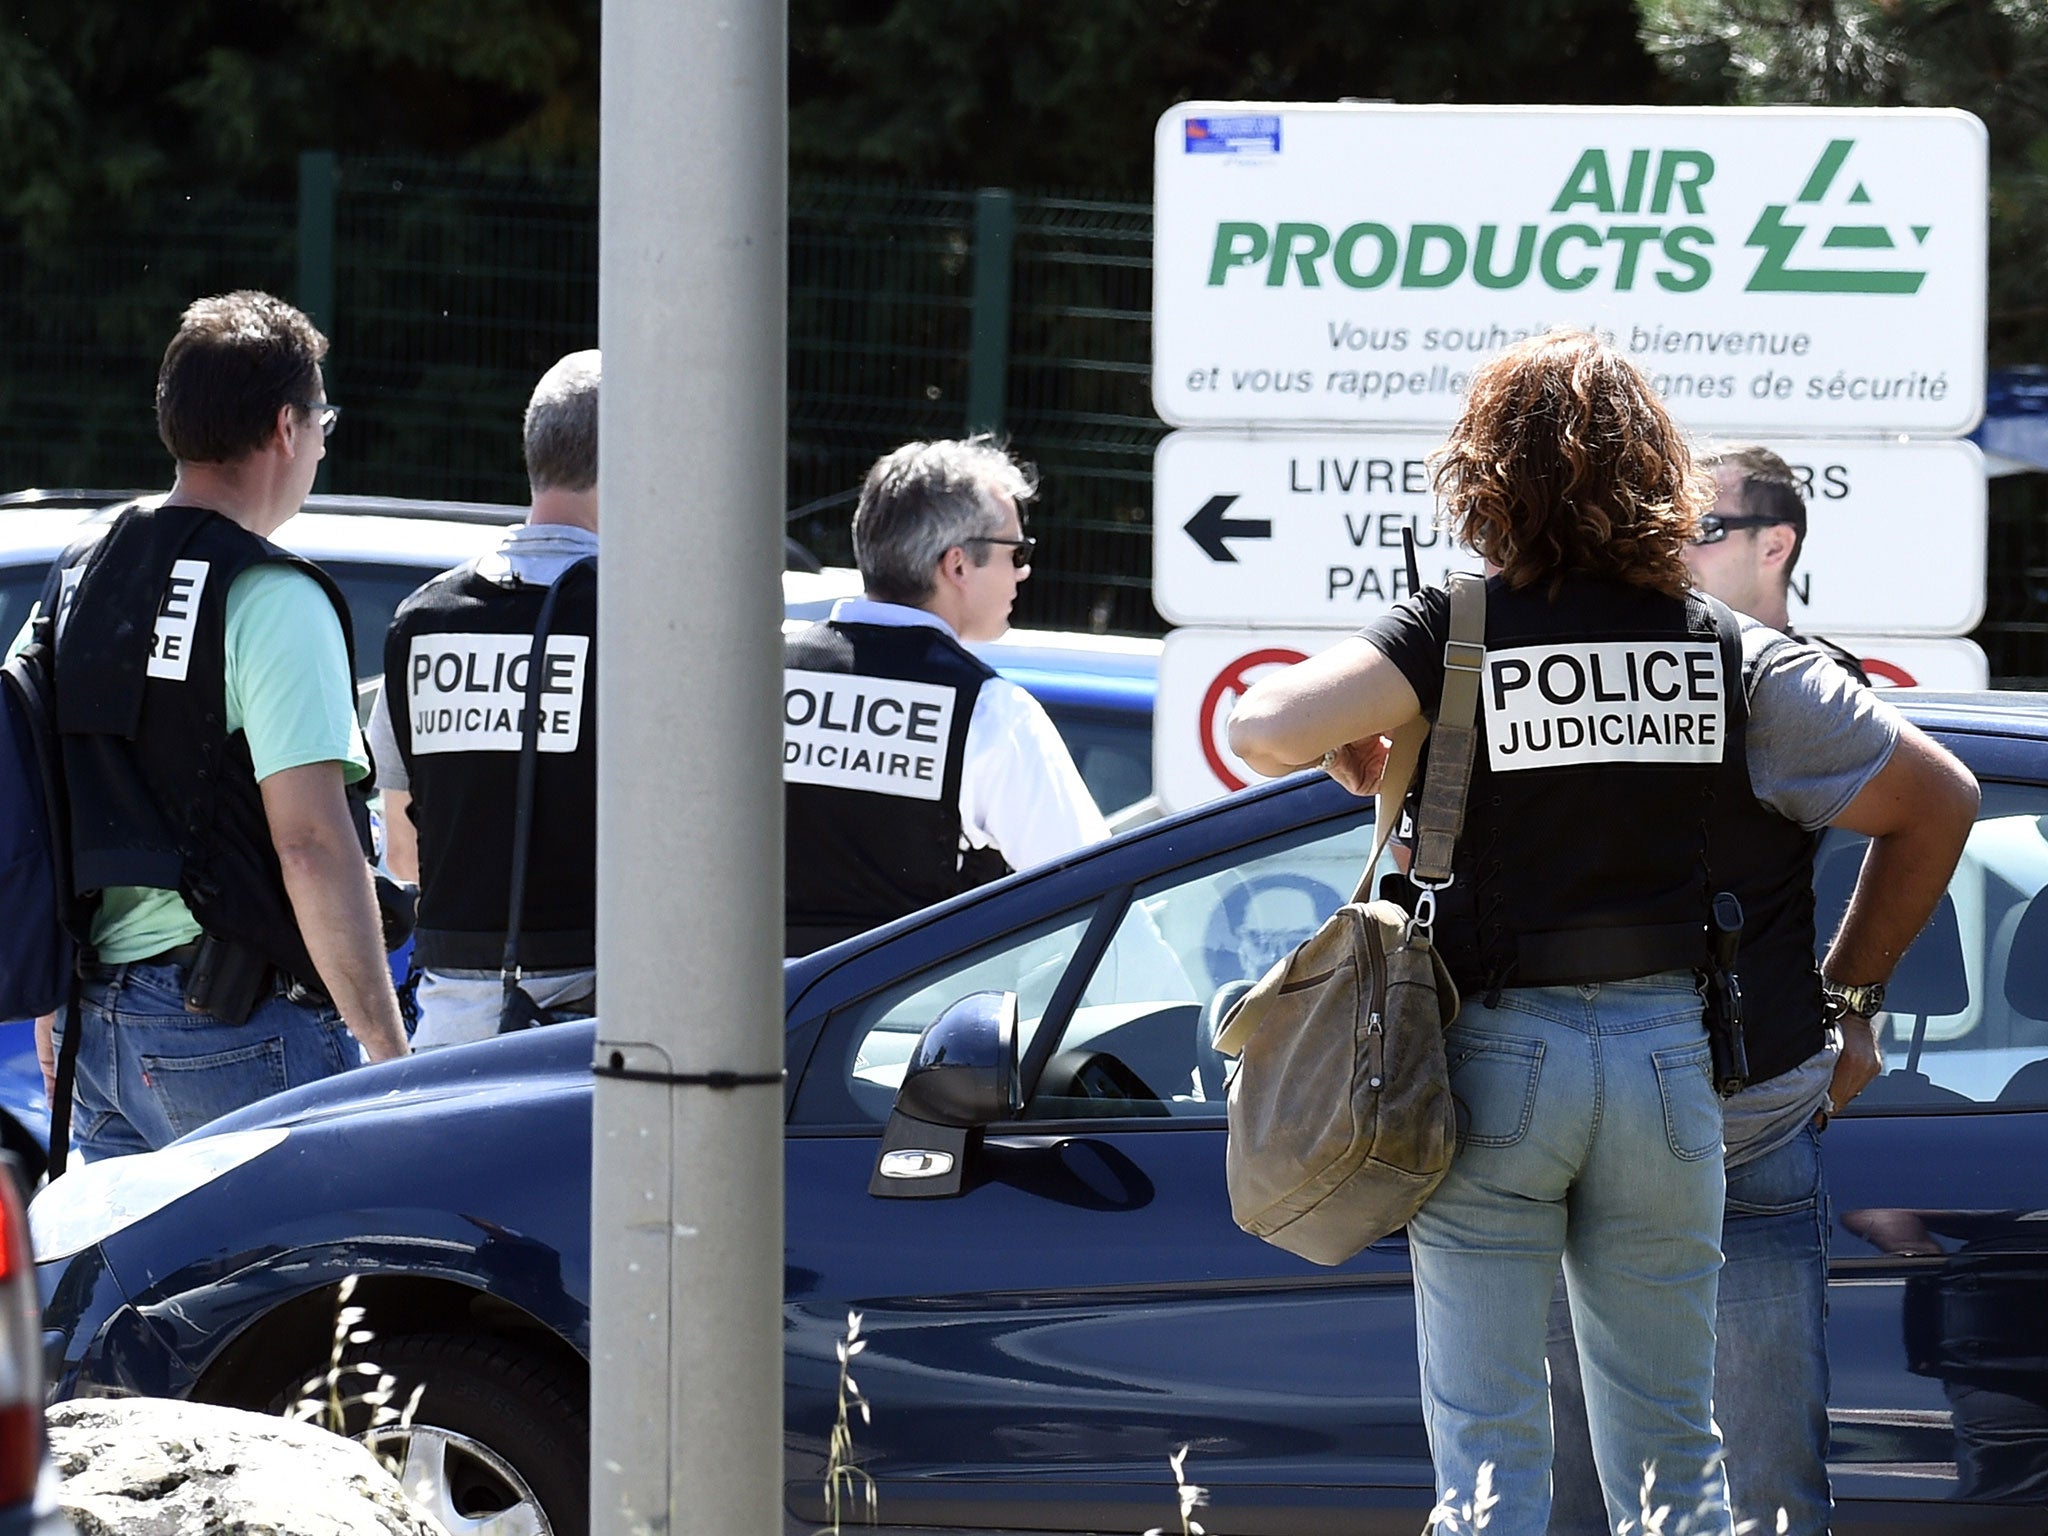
(686, 1208)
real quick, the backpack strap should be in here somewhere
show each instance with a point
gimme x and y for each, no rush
(522, 814)
(63, 1091)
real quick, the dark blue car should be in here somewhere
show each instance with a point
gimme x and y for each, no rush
(1041, 1341)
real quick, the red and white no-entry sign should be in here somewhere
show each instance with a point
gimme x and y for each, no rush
(1899, 661)
(1202, 674)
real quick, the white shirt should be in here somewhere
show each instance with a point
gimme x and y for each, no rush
(1019, 789)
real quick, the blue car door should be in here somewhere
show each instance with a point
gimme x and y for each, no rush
(1039, 1345)
(1937, 1335)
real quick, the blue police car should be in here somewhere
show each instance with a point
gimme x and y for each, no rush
(1045, 1335)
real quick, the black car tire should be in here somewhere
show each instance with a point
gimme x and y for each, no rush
(500, 1417)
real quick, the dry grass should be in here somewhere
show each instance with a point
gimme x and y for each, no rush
(326, 1399)
(845, 1480)
(1192, 1498)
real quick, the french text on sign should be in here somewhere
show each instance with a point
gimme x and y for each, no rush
(1628, 701)
(1314, 527)
(885, 736)
(1771, 269)
(1896, 531)
(467, 693)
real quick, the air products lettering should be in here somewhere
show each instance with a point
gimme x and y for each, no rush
(170, 643)
(1631, 701)
(1585, 247)
(882, 735)
(467, 693)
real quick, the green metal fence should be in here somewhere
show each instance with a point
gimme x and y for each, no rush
(914, 312)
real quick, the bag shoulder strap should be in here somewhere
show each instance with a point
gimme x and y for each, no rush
(1444, 787)
(529, 755)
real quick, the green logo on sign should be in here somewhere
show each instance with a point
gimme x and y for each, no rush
(1777, 240)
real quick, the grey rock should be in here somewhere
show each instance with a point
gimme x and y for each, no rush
(144, 1467)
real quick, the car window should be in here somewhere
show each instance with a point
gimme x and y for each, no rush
(19, 587)
(374, 589)
(1186, 948)
(1113, 754)
(1966, 1012)
(858, 1065)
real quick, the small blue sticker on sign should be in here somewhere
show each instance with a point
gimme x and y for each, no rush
(1232, 135)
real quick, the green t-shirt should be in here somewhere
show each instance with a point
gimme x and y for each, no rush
(289, 691)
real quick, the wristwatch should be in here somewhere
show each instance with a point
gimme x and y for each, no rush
(1865, 1002)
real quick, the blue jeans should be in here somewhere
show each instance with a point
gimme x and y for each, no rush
(1771, 1364)
(1589, 1132)
(148, 1071)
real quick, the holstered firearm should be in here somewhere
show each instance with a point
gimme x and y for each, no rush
(1723, 996)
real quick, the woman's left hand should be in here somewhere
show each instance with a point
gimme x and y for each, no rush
(1359, 765)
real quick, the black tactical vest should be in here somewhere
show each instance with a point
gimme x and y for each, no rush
(1768, 862)
(1603, 744)
(875, 724)
(455, 677)
(161, 795)
(1845, 659)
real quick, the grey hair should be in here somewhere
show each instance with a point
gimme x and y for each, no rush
(561, 426)
(926, 498)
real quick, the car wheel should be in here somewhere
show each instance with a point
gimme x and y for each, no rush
(500, 1442)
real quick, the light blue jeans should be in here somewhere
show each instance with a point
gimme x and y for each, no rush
(148, 1071)
(1770, 1366)
(457, 1007)
(1589, 1131)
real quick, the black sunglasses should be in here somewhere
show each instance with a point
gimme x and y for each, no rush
(1020, 549)
(1714, 527)
(322, 412)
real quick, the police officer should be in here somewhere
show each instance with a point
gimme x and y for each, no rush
(1610, 799)
(1749, 543)
(206, 704)
(1812, 1045)
(911, 771)
(454, 703)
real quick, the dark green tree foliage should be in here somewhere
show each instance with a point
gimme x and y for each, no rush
(1987, 56)
(1065, 93)
(105, 101)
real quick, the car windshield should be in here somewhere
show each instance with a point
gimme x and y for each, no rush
(1113, 752)
(19, 585)
(372, 589)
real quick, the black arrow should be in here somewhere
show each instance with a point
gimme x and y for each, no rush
(1209, 528)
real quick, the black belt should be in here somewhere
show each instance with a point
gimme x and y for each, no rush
(306, 994)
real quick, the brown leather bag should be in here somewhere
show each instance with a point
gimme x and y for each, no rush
(1341, 1118)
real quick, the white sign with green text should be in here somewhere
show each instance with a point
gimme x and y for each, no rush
(1785, 270)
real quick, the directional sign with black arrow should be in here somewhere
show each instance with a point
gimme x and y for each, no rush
(1209, 528)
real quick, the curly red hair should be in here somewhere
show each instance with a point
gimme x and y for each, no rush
(1565, 461)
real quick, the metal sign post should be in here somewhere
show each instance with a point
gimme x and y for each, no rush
(686, 1202)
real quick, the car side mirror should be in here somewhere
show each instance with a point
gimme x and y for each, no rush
(961, 1075)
